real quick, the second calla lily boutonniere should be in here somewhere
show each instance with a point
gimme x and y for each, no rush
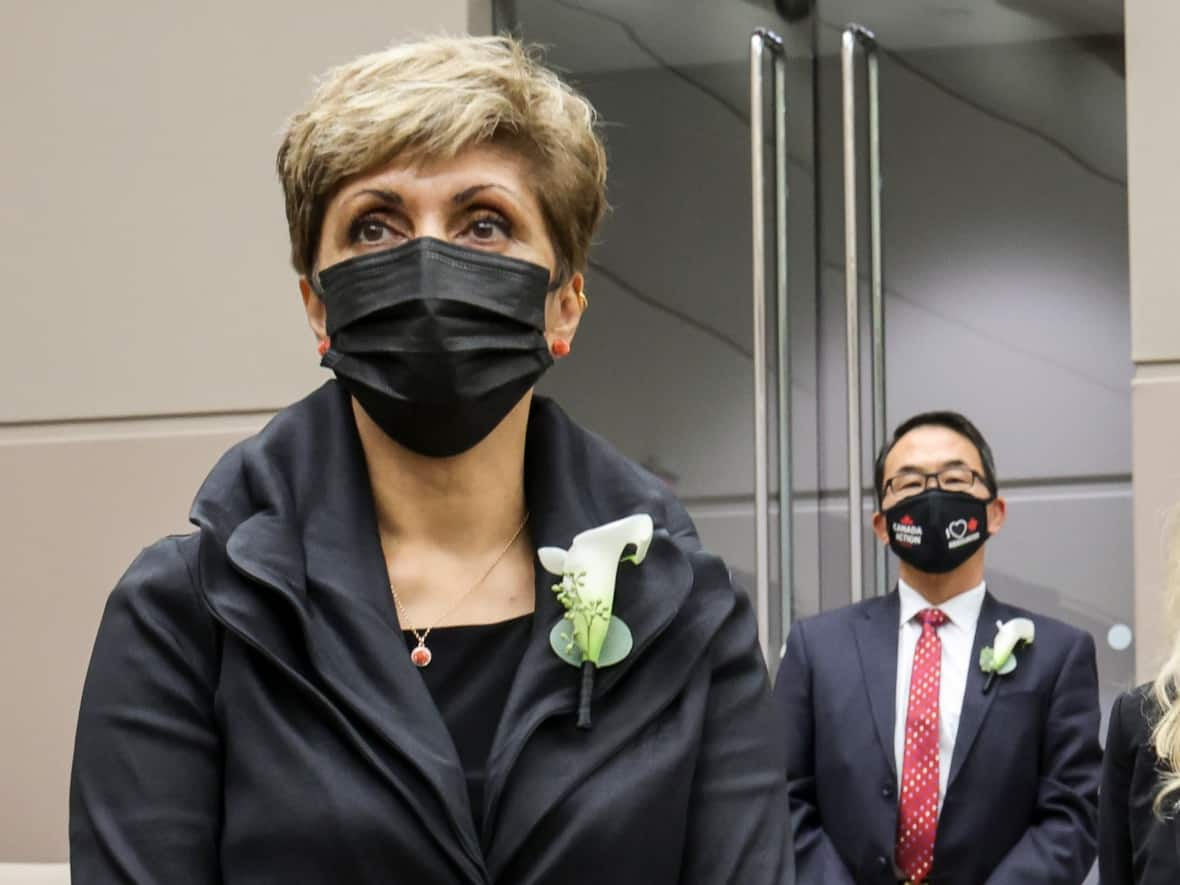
(590, 635)
(998, 658)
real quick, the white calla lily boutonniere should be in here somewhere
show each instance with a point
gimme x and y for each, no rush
(590, 635)
(999, 658)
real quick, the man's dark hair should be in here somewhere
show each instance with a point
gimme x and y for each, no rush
(950, 420)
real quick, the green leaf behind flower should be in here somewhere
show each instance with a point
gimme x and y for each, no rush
(615, 646)
(989, 664)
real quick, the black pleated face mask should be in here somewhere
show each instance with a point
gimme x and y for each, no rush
(436, 342)
(937, 531)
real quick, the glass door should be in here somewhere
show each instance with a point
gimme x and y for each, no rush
(990, 137)
(671, 277)
(994, 280)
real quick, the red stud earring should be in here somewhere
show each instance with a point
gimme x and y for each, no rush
(560, 348)
(323, 346)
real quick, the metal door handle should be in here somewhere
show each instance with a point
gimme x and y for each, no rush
(762, 44)
(854, 36)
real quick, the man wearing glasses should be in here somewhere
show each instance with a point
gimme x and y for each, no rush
(909, 759)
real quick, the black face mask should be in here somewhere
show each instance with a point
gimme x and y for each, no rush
(937, 531)
(436, 342)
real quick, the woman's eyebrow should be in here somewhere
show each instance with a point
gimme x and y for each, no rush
(391, 198)
(465, 196)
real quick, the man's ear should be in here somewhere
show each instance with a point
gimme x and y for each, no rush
(564, 309)
(317, 314)
(997, 515)
(880, 529)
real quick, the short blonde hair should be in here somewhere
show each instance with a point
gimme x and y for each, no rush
(429, 100)
(1166, 688)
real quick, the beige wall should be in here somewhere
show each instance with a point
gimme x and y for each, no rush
(151, 316)
(1153, 136)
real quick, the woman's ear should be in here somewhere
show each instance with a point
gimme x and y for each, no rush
(563, 311)
(317, 314)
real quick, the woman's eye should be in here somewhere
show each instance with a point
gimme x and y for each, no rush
(371, 231)
(488, 228)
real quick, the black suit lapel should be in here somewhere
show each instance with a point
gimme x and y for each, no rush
(976, 704)
(308, 589)
(293, 565)
(573, 484)
(525, 779)
(876, 642)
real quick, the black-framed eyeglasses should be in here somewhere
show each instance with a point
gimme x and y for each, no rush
(956, 478)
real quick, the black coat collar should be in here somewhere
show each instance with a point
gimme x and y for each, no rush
(292, 563)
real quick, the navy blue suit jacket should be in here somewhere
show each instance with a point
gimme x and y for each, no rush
(1021, 802)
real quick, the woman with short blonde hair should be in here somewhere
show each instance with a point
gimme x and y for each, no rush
(428, 629)
(1139, 803)
(429, 102)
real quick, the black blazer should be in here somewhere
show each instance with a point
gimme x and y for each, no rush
(1134, 846)
(250, 714)
(1022, 790)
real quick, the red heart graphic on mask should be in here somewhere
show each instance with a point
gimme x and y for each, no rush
(972, 525)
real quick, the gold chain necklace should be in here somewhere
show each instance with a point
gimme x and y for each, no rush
(421, 656)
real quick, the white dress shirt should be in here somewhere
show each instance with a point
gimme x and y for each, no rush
(958, 638)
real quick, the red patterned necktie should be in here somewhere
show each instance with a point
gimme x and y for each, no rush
(917, 819)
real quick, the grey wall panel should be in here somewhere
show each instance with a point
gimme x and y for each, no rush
(1157, 514)
(142, 235)
(1153, 134)
(80, 502)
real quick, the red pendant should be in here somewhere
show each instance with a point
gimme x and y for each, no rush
(421, 656)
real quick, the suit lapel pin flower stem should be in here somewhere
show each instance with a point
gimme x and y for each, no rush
(589, 635)
(999, 657)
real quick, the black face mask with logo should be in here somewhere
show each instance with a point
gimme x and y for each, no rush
(436, 342)
(937, 531)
